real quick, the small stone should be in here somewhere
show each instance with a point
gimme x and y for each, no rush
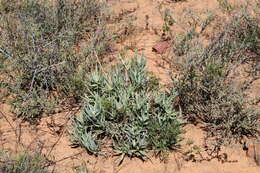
(161, 47)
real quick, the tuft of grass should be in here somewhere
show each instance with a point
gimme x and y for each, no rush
(22, 163)
(204, 23)
(203, 89)
(183, 43)
(168, 22)
(43, 61)
(225, 5)
(126, 107)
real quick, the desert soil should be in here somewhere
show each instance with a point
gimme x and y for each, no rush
(52, 134)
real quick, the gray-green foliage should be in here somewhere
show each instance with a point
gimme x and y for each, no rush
(126, 106)
(203, 90)
(183, 44)
(40, 63)
(225, 5)
(22, 163)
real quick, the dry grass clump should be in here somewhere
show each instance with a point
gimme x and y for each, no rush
(41, 66)
(204, 90)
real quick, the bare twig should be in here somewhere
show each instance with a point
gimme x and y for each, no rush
(5, 53)
(64, 125)
(2, 114)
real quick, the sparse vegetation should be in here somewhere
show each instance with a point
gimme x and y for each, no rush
(46, 51)
(22, 163)
(127, 108)
(203, 90)
(55, 56)
(82, 169)
(168, 22)
(225, 5)
(183, 43)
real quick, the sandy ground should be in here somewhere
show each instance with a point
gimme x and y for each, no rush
(52, 134)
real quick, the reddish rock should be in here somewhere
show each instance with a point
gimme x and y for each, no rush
(161, 47)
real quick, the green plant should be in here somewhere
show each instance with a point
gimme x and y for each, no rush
(203, 89)
(168, 22)
(183, 43)
(124, 26)
(43, 61)
(207, 21)
(126, 107)
(225, 5)
(189, 142)
(22, 163)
